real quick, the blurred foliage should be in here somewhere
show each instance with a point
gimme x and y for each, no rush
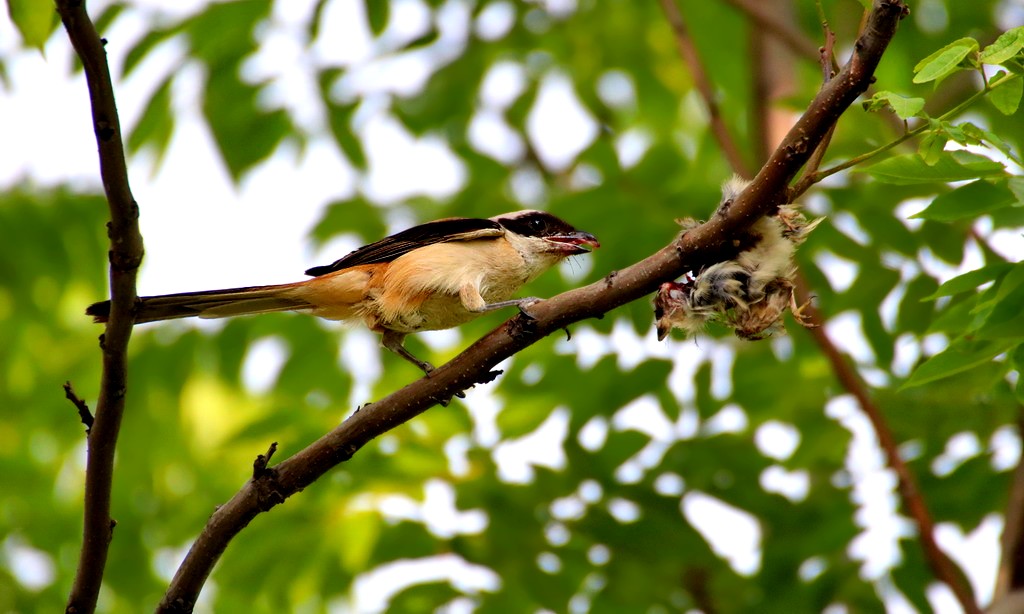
(636, 437)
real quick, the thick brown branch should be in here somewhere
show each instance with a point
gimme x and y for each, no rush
(475, 364)
(125, 256)
(942, 566)
(688, 51)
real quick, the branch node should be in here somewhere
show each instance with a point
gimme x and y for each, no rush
(83, 409)
(259, 466)
(264, 481)
(522, 325)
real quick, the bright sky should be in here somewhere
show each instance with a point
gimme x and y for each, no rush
(203, 232)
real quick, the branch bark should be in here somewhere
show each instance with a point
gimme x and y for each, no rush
(763, 195)
(125, 255)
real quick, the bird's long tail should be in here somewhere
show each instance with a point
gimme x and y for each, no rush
(211, 303)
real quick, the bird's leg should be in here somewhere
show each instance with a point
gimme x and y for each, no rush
(472, 301)
(392, 340)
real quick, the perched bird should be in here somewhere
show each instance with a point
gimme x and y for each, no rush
(433, 276)
(749, 293)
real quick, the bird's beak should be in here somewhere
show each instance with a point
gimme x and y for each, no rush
(576, 242)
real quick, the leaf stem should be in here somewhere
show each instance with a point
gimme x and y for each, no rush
(822, 174)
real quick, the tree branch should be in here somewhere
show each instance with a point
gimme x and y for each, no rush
(125, 255)
(1010, 576)
(83, 408)
(763, 195)
(945, 570)
(688, 51)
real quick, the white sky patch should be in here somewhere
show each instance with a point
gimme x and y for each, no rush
(839, 271)
(615, 88)
(849, 226)
(1005, 447)
(34, 569)
(959, 448)
(344, 34)
(793, 485)
(262, 364)
(372, 590)
(593, 434)
(644, 415)
(973, 552)
(907, 353)
(492, 136)
(495, 21)
(360, 356)
(503, 84)
(426, 164)
(847, 332)
(732, 533)
(873, 491)
(777, 440)
(669, 484)
(631, 145)
(558, 125)
(541, 448)
(730, 419)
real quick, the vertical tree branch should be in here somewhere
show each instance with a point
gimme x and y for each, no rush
(688, 51)
(125, 255)
(945, 570)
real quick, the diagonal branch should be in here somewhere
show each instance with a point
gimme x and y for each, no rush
(125, 255)
(766, 192)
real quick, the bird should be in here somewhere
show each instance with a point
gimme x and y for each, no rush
(433, 276)
(749, 293)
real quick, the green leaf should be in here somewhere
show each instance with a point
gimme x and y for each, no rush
(340, 118)
(1006, 317)
(156, 125)
(1005, 47)
(35, 20)
(377, 15)
(1007, 96)
(932, 146)
(945, 61)
(960, 356)
(950, 166)
(968, 201)
(968, 282)
(1016, 185)
(142, 48)
(362, 530)
(904, 106)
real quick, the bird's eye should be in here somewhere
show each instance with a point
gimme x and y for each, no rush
(537, 224)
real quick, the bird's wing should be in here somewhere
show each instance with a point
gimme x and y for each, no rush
(389, 248)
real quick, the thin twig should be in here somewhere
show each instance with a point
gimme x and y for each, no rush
(828, 63)
(125, 255)
(688, 51)
(785, 31)
(762, 195)
(83, 408)
(945, 570)
(1010, 576)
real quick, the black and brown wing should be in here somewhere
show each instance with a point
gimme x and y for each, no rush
(390, 248)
